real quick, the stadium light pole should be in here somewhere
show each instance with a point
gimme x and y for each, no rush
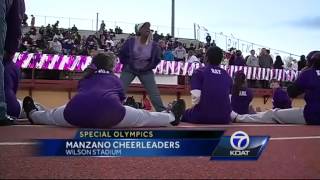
(97, 23)
(172, 17)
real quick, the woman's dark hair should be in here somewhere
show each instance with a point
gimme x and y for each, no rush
(101, 61)
(239, 82)
(310, 61)
(278, 64)
(238, 53)
(316, 60)
(302, 58)
(214, 55)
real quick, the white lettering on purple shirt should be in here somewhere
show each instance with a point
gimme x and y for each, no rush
(243, 93)
(215, 71)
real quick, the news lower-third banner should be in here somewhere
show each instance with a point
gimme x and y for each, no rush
(159, 143)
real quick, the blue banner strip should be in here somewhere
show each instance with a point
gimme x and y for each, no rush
(127, 147)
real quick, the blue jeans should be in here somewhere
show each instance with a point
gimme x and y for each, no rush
(3, 31)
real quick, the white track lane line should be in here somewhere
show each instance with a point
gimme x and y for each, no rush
(294, 138)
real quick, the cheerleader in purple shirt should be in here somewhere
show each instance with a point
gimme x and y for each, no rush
(11, 81)
(99, 103)
(308, 82)
(241, 95)
(281, 99)
(210, 89)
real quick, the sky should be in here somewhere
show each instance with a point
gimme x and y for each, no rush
(289, 25)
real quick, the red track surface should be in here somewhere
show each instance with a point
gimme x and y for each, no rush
(282, 158)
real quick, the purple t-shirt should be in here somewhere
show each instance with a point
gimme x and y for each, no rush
(309, 82)
(214, 106)
(281, 99)
(240, 102)
(11, 82)
(141, 54)
(98, 103)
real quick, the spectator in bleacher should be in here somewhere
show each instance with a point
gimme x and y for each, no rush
(278, 64)
(49, 32)
(109, 40)
(168, 37)
(252, 60)
(180, 53)
(118, 30)
(168, 55)
(232, 56)
(11, 16)
(265, 61)
(67, 46)
(33, 21)
(41, 30)
(161, 36)
(56, 46)
(269, 53)
(56, 25)
(239, 60)
(191, 48)
(192, 58)
(201, 48)
(112, 33)
(162, 45)
(294, 65)
(140, 55)
(208, 39)
(119, 45)
(302, 63)
(74, 29)
(25, 19)
(213, 43)
(156, 36)
(102, 26)
(58, 36)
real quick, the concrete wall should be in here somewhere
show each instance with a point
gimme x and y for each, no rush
(53, 99)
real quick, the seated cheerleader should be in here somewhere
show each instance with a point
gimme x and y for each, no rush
(241, 95)
(281, 99)
(11, 81)
(308, 82)
(210, 89)
(99, 103)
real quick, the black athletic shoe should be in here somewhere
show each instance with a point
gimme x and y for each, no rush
(178, 108)
(7, 121)
(28, 106)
